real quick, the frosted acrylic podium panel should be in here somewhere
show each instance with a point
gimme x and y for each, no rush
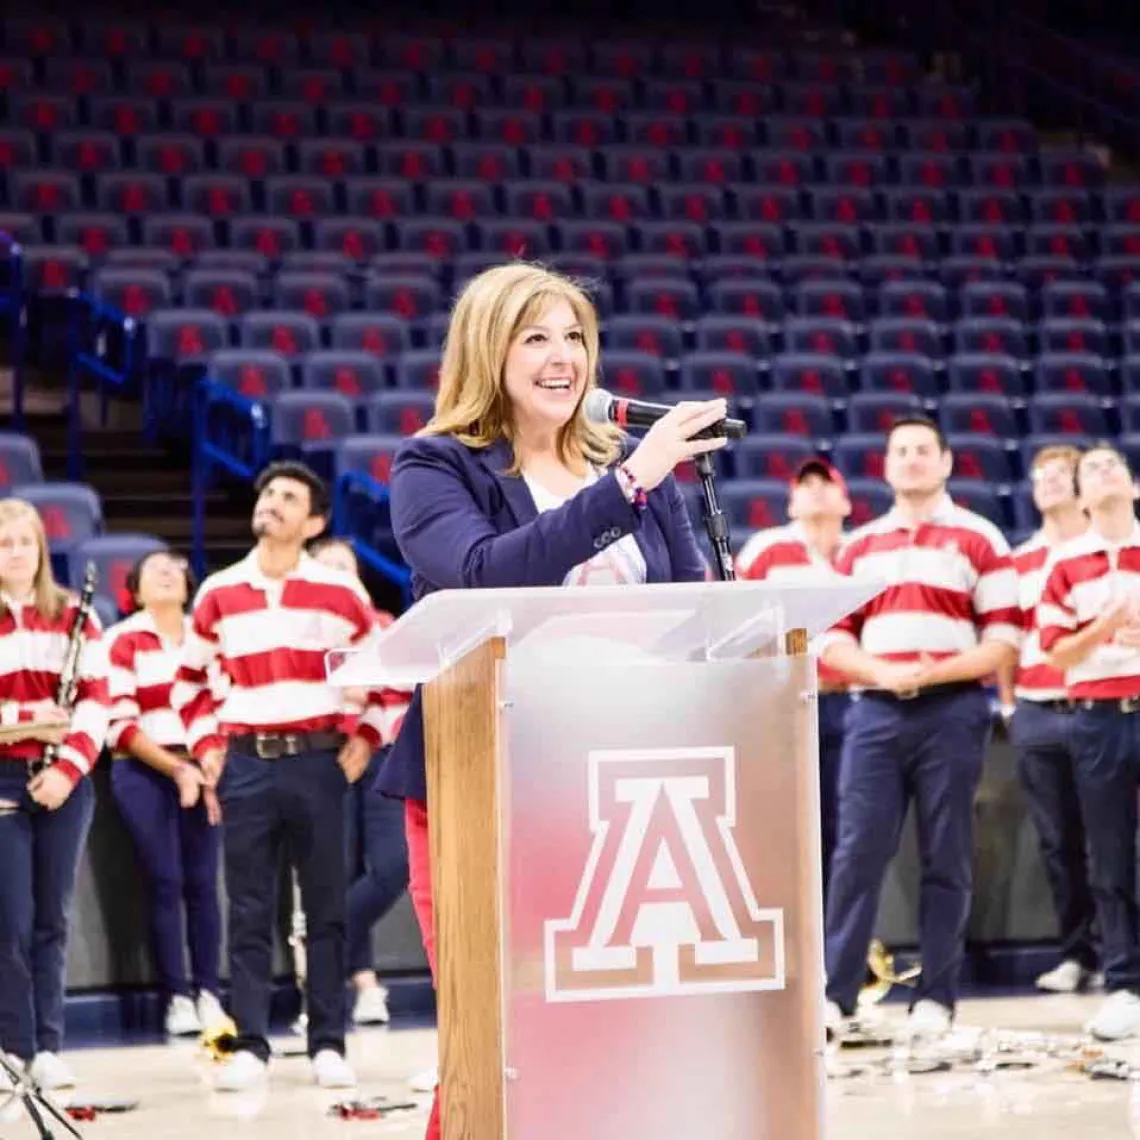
(688, 621)
(656, 797)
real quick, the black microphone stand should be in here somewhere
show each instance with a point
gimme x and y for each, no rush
(715, 522)
(35, 1101)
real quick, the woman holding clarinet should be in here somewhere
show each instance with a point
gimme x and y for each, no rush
(54, 712)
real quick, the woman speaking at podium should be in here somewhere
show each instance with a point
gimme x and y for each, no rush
(510, 485)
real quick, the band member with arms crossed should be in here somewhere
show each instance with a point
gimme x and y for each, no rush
(947, 619)
(376, 849)
(1089, 617)
(1040, 727)
(282, 763)
(805, 551)
(510, 485)
(44, 820)
(161, 793)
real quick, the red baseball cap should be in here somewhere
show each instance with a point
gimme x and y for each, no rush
(819, 466)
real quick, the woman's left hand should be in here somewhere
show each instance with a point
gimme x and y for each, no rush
(50, 789)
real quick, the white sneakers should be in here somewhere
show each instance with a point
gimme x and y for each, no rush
(244, 1071)
(1069, 977)
(241, 1071)
(211, 1015)
(928, 1019)
(1117, 1018)
(332, 1071)
(51, 1072)
(182, 1018)
(371, 1007)
(426, 1081)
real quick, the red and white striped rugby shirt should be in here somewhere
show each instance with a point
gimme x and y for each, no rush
(142, 668)
(1083, 578)
(781, 554)
(394, 703)
(950, 585)
(1036, 679)
(268, 639)
(32, 653)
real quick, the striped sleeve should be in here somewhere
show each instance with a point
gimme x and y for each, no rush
(996, 600)
(192, 695)
(1056, 614)
(122, 685)
(91, 712)
(373, 725)
(849, 628)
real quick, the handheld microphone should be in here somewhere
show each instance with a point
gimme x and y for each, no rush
(603, 407)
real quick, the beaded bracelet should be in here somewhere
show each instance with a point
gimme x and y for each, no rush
(635, 492)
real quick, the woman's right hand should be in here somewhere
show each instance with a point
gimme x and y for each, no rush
(669, 441)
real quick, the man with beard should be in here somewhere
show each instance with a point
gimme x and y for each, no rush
(947, 619)
(275, 748)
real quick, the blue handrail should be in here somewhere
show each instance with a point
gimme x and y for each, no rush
(103, 347)
(357, 484)
(231, 432)
(12, 310)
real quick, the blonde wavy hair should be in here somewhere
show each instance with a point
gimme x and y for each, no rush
(472, 405)
(50, 598)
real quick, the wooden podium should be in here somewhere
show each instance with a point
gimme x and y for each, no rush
(624, 803)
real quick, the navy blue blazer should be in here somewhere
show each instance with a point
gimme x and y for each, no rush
(462, 523)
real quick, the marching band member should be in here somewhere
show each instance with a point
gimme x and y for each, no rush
(1089, 618)
(376, 848)
(510, 485)
(44, 821)
(275, 747)
(161, 793)
(1039, 717)
(805, 551)
(947, 619)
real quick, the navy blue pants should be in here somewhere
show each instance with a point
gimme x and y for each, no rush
(294, 805)
(929, 750)
(178, 851)
(832, 713)
(1043, 738)
(377, 861)
(39, 860)
(1106, 748)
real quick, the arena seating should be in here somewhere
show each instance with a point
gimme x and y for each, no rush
(73, 520)
(829, 237)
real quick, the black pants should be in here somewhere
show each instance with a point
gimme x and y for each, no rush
(1044, 741)
(1106, 748)
(296, 804)
(377, 861)
(39, 860)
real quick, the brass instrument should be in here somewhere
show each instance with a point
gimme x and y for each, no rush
(881, 964)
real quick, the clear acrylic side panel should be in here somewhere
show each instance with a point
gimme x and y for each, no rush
(661, 887)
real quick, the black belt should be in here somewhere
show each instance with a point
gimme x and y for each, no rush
(1057, 704)
(181, 753)
(929, 692)
(278, 745)
(1110, 704)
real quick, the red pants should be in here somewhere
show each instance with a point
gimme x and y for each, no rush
(419, 886)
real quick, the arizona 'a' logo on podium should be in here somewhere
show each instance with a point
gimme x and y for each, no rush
(664, 906)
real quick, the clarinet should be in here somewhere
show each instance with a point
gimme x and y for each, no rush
(69, 674)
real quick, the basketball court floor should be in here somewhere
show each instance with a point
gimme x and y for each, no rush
(883, 1101)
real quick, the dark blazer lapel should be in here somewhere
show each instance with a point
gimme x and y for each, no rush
(496, 459)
